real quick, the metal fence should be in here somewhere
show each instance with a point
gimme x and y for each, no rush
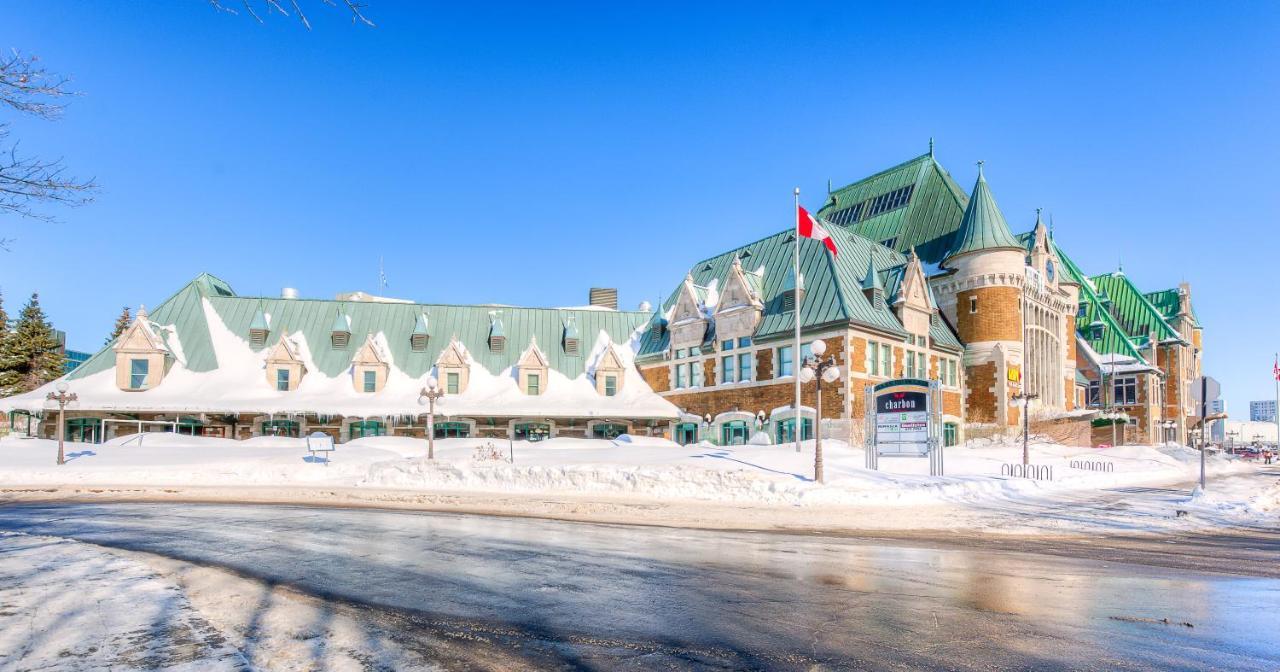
(1093, 465)
(1038, 472)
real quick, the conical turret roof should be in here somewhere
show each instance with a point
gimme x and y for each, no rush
(872, 279)
(983, 227)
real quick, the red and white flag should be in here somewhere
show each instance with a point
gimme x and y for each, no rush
(1275, 370)
(809, 227)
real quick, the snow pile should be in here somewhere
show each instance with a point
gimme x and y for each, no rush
(1237, 499)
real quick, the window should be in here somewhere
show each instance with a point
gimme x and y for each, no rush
(784, 361)
(744, 367)
(365, 428)
(679, 376)
(806, 352)
(532, 431)
(695, 374)
(1126, 390)
(370, 381)
(726, 345)
(1094, 395)
(886, 361)
(138, 369)
(282, 380)
(695, 351)
(610, 386)
(608, 430)
(726, 369)
(910, 370)
(1095, 331)
(451, 383)
(1080, 310)
(681, 353)
(872, 363)
(687, 433)
(452, 430)
(733, 433)
(890, 242)
(973, 305)
(532, 383)
(280, 428)
(744, 342)
(786, 432)
(953, 365)
(949, 432)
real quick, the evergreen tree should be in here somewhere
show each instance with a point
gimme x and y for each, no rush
(122, 323)
(31, 356)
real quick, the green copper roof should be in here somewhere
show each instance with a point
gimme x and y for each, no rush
(1114, 339)
(314, 319)
(833, 286)
(872, 279)
(1132, 310)
(1168, 302)
(919, 206)
(983, 226)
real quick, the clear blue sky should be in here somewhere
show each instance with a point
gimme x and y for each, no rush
(522, 153)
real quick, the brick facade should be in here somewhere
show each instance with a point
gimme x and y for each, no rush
(981, 380)
(999, 316)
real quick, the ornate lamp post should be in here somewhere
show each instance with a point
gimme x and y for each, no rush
(61, 398)
(427, 397)
(815, 369)
(1023, 401)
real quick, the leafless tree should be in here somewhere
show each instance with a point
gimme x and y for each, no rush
(27, 181)
(268, 6)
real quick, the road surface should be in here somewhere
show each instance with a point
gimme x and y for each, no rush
(561, 595)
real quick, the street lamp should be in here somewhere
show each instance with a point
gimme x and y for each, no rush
(1023, 401)
(815, 369)
(61, 398)
(427, 397)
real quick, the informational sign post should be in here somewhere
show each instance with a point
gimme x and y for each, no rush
(902, 422)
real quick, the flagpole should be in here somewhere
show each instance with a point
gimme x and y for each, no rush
(795, 351)
(1275, 373)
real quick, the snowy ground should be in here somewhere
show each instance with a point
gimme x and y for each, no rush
(643, 471)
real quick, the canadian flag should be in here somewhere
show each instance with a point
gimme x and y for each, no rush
(1275, 370)
(809, 227)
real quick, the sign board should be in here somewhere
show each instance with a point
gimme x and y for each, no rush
(1015, 374)
(1206, 383)
(902, 410)
(319, 442)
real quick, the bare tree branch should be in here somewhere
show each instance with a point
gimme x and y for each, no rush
(28, 88)
(356, 9)
(26, 181)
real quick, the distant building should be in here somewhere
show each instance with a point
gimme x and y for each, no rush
(1262, 411)
(71, 358)
(1218, 428)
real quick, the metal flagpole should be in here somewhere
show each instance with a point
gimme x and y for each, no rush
(797, 294)
(1275, 373)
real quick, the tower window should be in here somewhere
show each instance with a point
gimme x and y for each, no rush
(973, 305)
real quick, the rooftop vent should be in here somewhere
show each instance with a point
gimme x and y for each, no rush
(288, 293)
(604, 297)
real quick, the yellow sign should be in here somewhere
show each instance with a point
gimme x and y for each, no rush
(1015, 374)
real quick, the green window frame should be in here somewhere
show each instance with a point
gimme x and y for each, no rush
(363, 428)
(726, 369)
(451, 384)
(370, 381)
(608, 430)
(532, 432)
(84, 430)
(679, 376)
(744, 367)
(533, 384)
(726, 345)
(610, 386)
(949, 434)
(686, 433)
(734, 433)
(452, 430)
(138, 371)
(785, 364)
(744, 342)
(281, 428)
(786, 430)
(282, 380)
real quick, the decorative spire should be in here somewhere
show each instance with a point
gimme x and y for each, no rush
(983, 226)
(872, 278)
(931, 145)
(142, 312)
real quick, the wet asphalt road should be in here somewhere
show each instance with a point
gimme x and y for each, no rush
(573, 595)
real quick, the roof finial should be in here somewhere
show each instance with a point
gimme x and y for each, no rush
(1051, 225)
(828, 186)
(1119, 265)
(980, 162)
(931, 145)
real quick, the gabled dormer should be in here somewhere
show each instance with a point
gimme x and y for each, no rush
(1041, 256)
(284, 367)
(913, 303)
(872, 285)
(531, 370)
(790, 291)
(420, 337)
(452, 368)
(369, 367)
(142, 358)
(497, 334)
(571, 340)
(609, 373)
(740, 307)
(340, 330)
(688, 324)
(259, 328)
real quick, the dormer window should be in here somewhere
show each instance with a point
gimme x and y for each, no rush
(142, 357)
(532, 370)
(138, 370)
(340, 332)
(1095, 331)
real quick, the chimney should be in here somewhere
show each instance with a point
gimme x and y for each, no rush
(604, 297)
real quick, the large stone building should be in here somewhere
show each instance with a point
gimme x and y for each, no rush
(208, 361)
(929, 282)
